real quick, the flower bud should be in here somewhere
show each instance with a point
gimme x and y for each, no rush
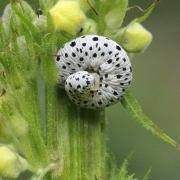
(67, 16)
(135, 38)
(11, 164)
(40, 22)
(85, 5)
(9, 13)
(89, 27)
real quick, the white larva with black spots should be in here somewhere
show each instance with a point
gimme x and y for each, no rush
(94, 70)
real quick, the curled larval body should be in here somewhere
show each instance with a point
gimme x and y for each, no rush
(94, 70)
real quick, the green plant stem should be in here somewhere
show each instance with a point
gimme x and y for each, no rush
(81, 141)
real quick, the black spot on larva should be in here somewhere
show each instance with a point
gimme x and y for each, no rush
(118, 65)
(117, 59)
(92, 105)
(80, 50)
(79, 65)
(131, 69)
(122, 84)
(111, 100)
(99, 93)
(77, 49)
(83, 77)
(126, 79)
(106, 75)
(101, 78)
(83, 44)
(73, 69)
(83, 36)
(110, 52)
(90, 48)
(115, 93)
(66, 55)
(124, 69)
(68, 63)
(58, 58)
(103, 53)
(123, 90)
(129, 82)
(85, 102)
(87, 82)
(86, 53)
(79, 86)
(99, 102)
(81, 59)
(106, 85)
(118, 48)
(77, 79)
(96, 44)
(94, 55)
(109, 61)
(124, 59)
(73, 44)
(99, 49)
(64, 67)
(105, 44)
(116, 54)
(95, 38)
(70, 84)
(73, 54)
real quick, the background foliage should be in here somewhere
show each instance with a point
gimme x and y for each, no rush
(157, 87)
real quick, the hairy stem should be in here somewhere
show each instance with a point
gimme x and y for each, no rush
(80, 141)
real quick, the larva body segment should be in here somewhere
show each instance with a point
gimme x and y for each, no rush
(94, 70)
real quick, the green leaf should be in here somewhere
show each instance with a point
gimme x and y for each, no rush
(146, 177)
(123, 170)
(123, 173)
(115, 17)
(112, 166)
(133, 107)
(148, 12)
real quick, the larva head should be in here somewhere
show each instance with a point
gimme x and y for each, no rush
(94, 70)
(81, 83)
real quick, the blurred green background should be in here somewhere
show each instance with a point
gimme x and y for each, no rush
(157, 87)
